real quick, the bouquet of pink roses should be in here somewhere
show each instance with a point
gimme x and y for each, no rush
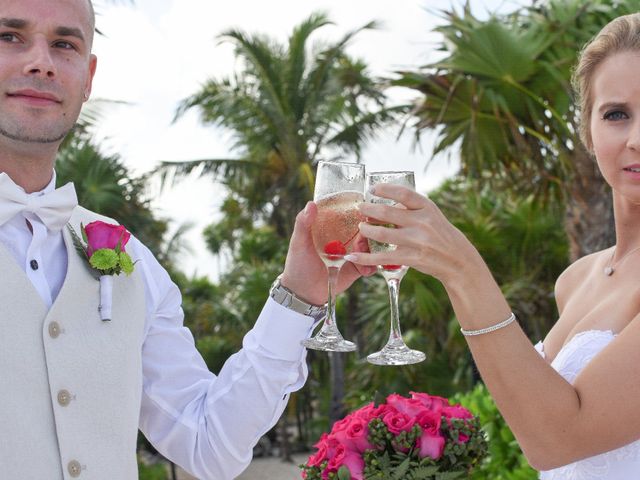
(419, 438)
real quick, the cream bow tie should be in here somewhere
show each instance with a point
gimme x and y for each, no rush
(53, 208)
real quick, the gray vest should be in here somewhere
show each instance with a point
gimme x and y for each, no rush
(70, 384)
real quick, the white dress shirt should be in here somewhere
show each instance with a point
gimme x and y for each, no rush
(205, 423)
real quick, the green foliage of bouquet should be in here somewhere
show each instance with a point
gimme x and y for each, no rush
(419, 438)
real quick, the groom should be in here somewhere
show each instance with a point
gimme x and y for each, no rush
(75, 389)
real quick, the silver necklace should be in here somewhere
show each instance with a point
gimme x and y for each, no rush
(609, 269)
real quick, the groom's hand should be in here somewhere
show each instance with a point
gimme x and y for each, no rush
(305, 274)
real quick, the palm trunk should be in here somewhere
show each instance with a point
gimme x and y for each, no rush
(285, 447)
(589, 219)
(336, 407)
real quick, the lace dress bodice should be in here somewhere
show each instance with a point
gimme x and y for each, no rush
(620, 464)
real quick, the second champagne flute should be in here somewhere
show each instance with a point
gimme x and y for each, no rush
(338, 190)
(395, 352)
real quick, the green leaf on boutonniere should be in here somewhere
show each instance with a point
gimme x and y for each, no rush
(126, 263)
(77, 242)
(104, 259)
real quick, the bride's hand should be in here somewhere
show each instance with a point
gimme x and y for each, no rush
(425, 239)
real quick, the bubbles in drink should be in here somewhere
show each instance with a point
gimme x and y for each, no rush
(336, 226)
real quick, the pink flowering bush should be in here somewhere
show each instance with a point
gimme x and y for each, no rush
(417, 438)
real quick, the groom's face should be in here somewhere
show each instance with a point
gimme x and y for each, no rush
(46, 67)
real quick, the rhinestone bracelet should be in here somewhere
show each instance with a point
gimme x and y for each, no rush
(492, 328)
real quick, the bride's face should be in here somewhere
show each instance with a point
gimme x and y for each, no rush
(615, 122)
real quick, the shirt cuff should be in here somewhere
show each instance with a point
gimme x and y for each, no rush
(280, 330)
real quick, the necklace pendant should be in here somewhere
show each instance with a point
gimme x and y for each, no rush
(608, 271)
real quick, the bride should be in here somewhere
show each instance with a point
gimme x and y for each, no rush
(572, 401)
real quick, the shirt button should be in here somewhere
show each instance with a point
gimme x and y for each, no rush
(34, 264)
(74, 468)
(54, 329)
(64, 398)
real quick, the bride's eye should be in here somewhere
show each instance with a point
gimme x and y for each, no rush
(615, 115)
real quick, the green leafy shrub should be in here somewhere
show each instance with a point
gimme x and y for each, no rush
(157, 471)
(505, 460)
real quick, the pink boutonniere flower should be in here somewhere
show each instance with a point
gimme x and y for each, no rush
(102, 244)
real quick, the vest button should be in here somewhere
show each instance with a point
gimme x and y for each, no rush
(74, 468)
(33, 264)
(64, 398)
(54, 329)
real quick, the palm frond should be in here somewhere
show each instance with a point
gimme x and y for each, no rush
(169, 171)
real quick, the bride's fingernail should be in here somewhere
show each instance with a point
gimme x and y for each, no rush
(350, 257)
(372, 189)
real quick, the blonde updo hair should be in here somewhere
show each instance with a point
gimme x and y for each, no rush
(620, 35)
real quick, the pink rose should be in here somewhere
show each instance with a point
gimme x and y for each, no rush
(457, 411)
(104, 235)
(431, 442)
(355, 435)
(332, 445)
(408, 406)
(321, 455)
(432, 402)
(355, 463)
(350, 459)
(398, 422)
(341, 424)
(338, 455)
(370, 411)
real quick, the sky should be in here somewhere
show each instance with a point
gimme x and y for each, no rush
(155, 53)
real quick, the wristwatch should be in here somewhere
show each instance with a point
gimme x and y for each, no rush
(288, 299)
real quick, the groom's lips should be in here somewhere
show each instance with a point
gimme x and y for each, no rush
(35, 97)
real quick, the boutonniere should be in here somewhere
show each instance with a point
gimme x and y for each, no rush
(102, 244)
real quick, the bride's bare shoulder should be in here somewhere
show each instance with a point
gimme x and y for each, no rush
(577, 273)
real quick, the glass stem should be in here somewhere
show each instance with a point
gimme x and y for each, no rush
(395, 336)
(333, 280)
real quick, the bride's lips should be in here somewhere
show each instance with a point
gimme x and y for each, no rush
(633, 171)
(35, 97)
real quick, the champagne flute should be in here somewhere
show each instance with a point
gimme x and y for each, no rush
(338, 191)
(395, 352)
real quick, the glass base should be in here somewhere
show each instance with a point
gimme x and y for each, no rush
(396, 355)
(329, 343)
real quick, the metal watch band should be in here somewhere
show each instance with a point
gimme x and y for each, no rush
(288, 299)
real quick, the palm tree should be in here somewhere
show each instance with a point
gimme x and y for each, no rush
(502, 95)
(104, 184)
(288, 106)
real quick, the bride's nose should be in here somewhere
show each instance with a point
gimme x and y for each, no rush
(633, 140)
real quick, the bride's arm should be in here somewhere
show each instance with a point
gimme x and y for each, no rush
(555, 423)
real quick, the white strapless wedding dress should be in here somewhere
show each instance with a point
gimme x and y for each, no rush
(620, 464)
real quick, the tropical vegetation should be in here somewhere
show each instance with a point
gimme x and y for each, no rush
(501, 95)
